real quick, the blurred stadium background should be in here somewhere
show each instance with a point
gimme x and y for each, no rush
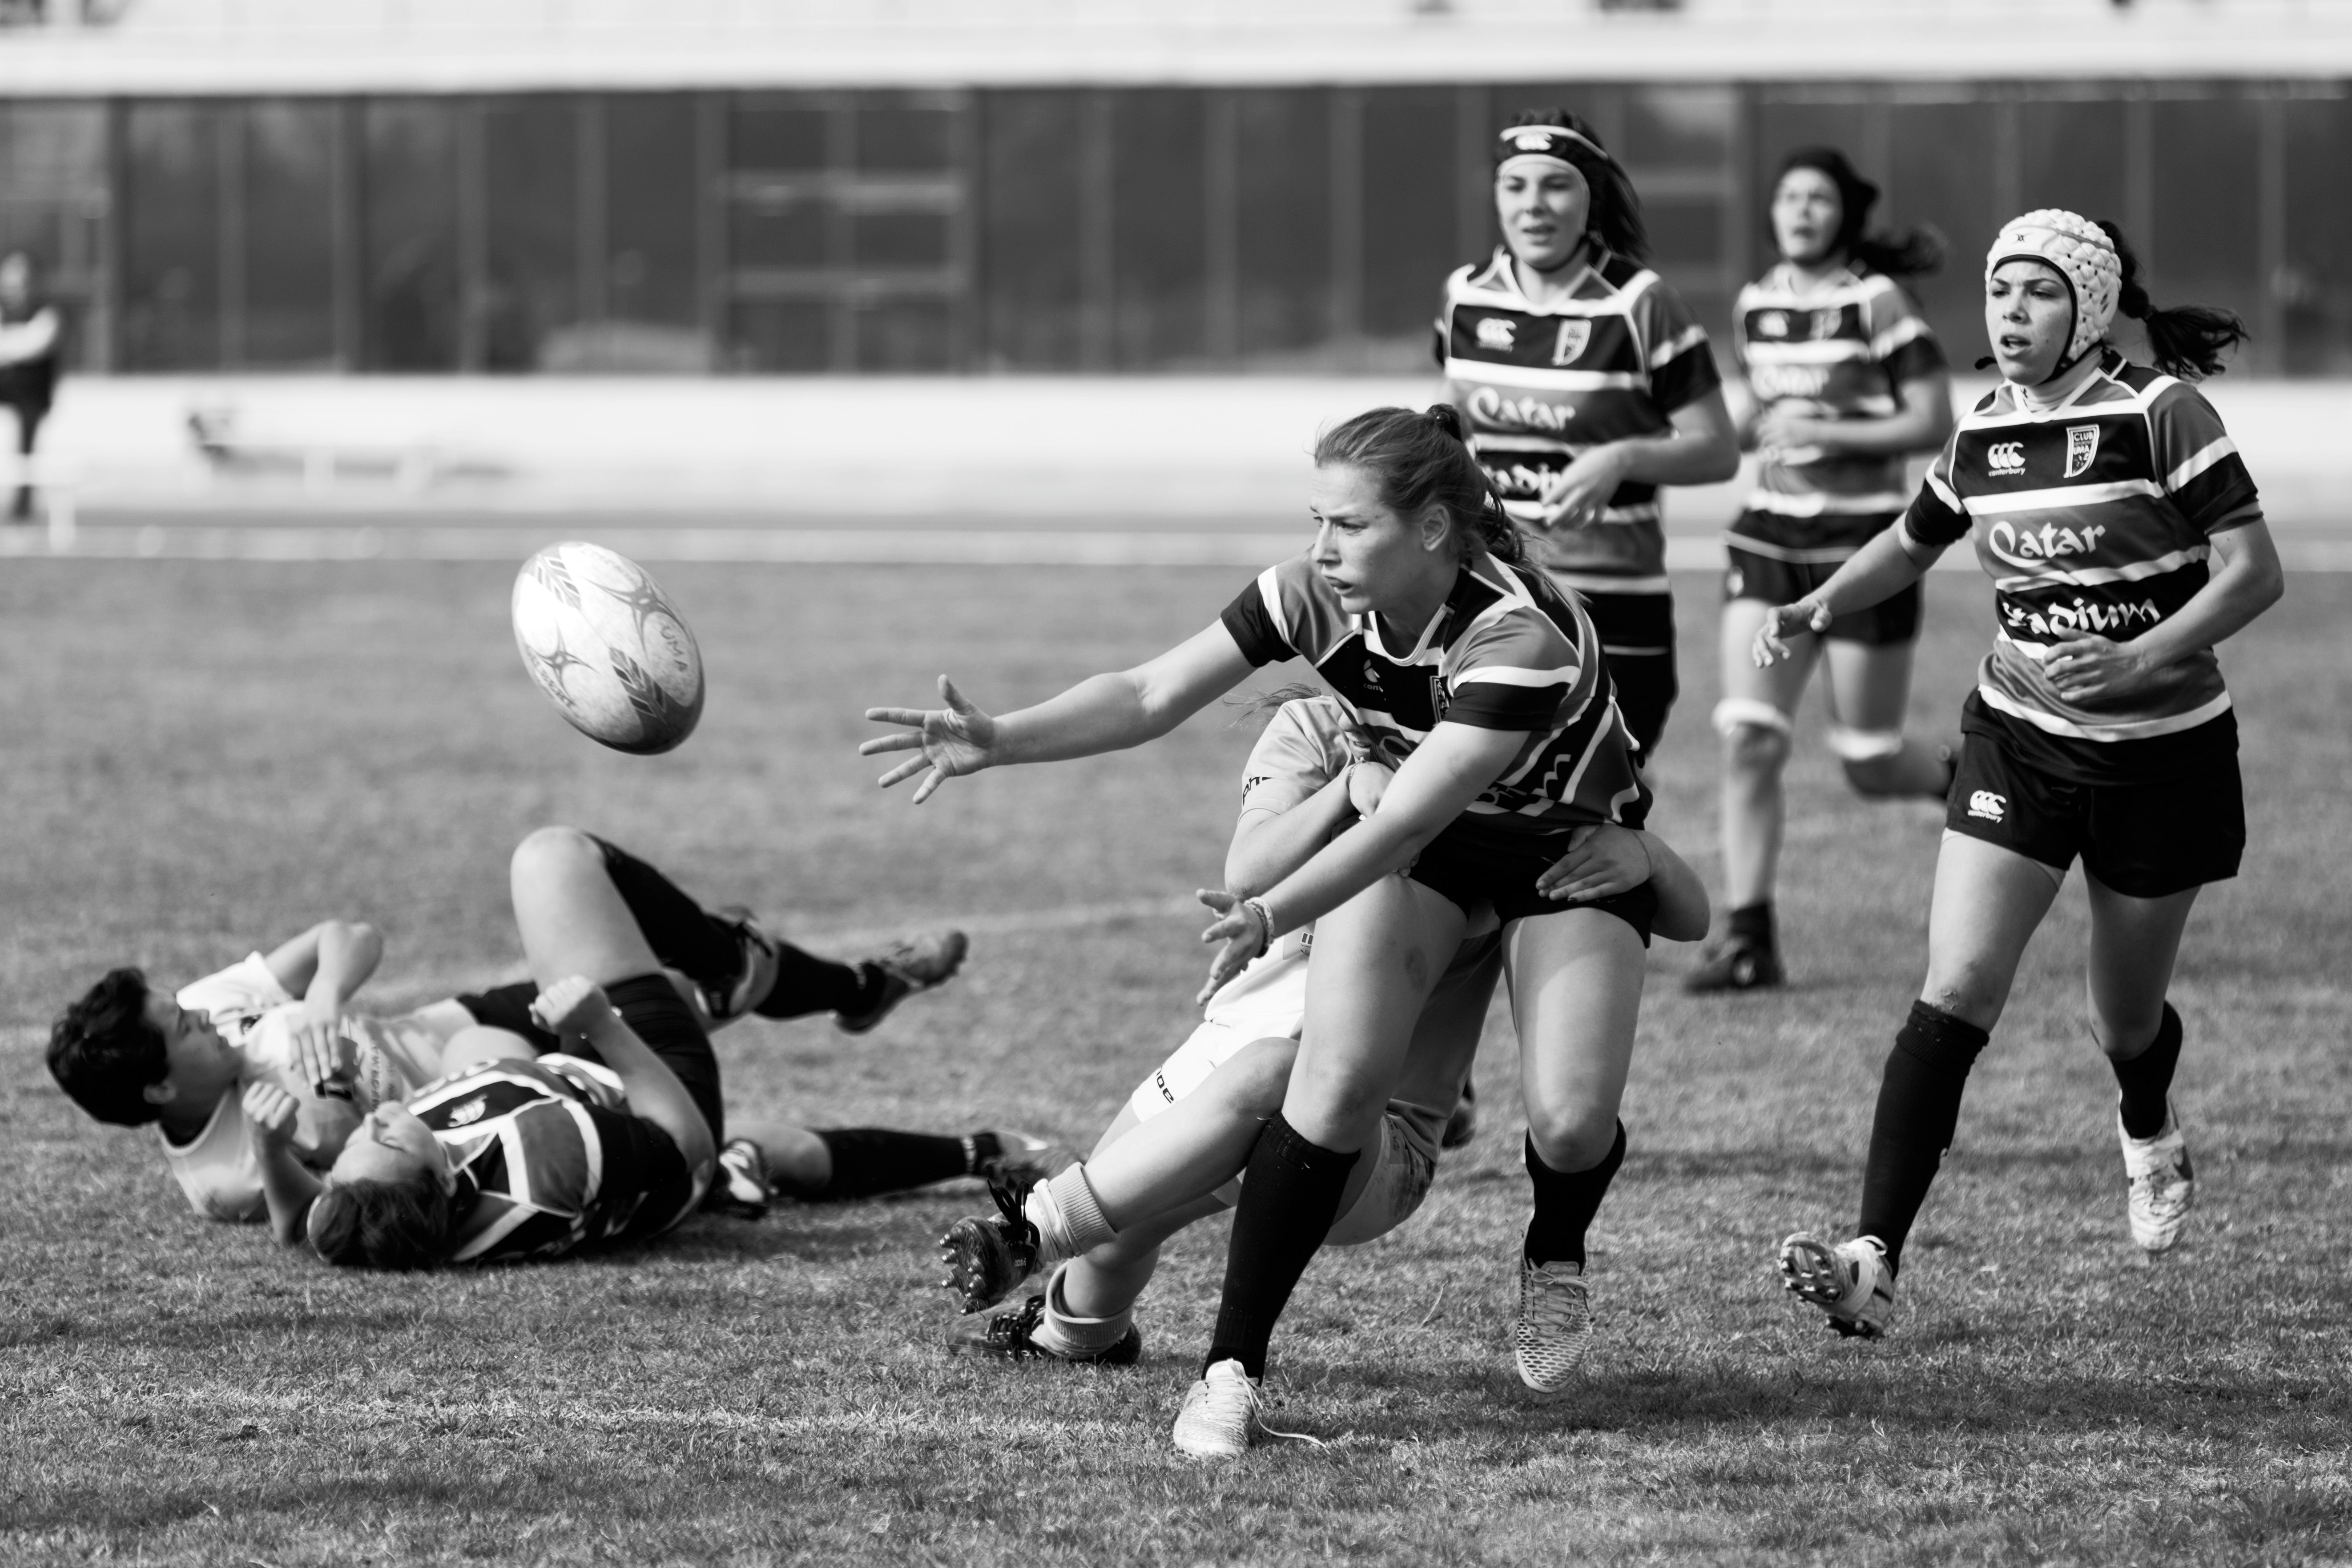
(258, 212)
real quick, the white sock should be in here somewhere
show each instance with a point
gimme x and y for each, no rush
(1061, 1332)
(1068, 1220)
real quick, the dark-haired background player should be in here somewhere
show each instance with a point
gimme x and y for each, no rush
(31, 352)
(1846, 380)
(130, 1053)
(1584, 384)
(2125, 539)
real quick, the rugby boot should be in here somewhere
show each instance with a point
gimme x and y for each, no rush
(902, 969)
(1222, 1413)
(1554, 1330)
(1013, 1336)
(741, 1185)
(2162, 1184)
(988, 1255)
(1849, 1281)
(1734, 964)
(1016, 1157)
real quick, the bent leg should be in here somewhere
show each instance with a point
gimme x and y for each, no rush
(1869, 688)
(1755, 719)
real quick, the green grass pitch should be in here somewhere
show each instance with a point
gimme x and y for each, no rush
(200, 758)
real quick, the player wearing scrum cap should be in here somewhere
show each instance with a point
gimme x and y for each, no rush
(1846, 380)
(132, 1054)
(1585, 383)
(2125, 539)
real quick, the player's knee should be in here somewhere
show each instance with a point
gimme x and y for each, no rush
(1572, 1137)
(1970, 991)
(1254, 1080)
(1873, 759)
(545, 850)
(2122, 1032)
(1755, 735)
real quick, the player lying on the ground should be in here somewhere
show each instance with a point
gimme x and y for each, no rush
(1176, 1152)
(130, 1053)
(524, 1153)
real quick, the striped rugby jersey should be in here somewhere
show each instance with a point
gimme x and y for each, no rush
(1840, 350)
(1539, 384)
(2092, 516)
(1506, 650)
(549, 1161)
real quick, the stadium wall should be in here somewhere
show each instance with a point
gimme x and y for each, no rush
(1010, 225)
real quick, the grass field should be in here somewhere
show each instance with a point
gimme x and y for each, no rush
(201, 759)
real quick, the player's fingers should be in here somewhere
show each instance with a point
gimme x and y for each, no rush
(1216, 898)
(929, 786)
(904, 740)
(955, 699)
(905, 770)
(912, 716)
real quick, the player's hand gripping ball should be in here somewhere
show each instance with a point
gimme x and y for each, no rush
(607, 646)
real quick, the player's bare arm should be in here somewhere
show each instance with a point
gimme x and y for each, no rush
(1268, 845)
(1891, 561)
(285, 1185)
(576, 1005)
(1702, 449)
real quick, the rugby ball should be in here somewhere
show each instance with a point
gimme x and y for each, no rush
(607, 646)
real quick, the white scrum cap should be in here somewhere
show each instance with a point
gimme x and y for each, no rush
(2084, 256)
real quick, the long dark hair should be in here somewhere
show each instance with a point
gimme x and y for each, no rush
(1616, 217)
(399, 1224)
(2186, 340)
(1909, 253)
(1420, 460)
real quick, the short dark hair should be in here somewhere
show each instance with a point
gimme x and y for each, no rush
(1420, 459)
(1615, 218)
(381, 1224)
(105, 1054)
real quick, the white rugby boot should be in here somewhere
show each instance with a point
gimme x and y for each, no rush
(1849, 1281)
(1554, 1330)
(1223, 1415)
(2162, 1186)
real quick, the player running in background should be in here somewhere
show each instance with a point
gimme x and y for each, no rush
(1176, 1152)
(2125, 539)
(132, 1054)
(1847, 379)
(1484, 687)
(31, 350)
(1585, 383)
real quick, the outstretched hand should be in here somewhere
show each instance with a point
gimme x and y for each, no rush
(954, 740)
(1242, 936)
(1785, 621)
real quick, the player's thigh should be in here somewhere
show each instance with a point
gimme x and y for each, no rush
(1779, 685)
(1987, 902)
(573, 919)
(1869, 683)
(1377, 957)
(2134, 944)
(1576, 997)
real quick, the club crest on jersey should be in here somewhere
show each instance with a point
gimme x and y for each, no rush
(1569, 346)
(2082, 446)
(1498, 332)
(2006, 458)
(1772, 324)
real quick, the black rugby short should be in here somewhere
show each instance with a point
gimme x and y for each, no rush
(1637, 639)
(1752, 576)
(1469, 867)
(2144, 841)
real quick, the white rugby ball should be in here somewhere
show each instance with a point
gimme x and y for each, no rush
(607, 646)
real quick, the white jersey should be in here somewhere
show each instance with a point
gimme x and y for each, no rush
(255, 1015)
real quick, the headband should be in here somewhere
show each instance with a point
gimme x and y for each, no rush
(1552, 142)
(2082, 254)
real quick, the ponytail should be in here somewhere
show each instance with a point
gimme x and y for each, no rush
(1421, 460)
(2186, 340)
(1909, 253)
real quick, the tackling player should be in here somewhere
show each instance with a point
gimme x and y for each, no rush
(1176, 1152)
(1846, 380)
(1585, 383)
(2125, 539)
(132, 1054)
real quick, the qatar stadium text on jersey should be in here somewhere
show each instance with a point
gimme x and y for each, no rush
(1538, 384)
(1841, 349)
(1506, 650)
(2091, 516)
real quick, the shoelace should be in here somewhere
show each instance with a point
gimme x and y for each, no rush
(1254, 1402)
(1554, 1301)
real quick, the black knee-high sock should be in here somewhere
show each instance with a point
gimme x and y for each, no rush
(2146, 1078)
(1918, 1107)
(683, 935)
(808, 984)
(1566, 1202)
(867, 1161)
(1289, 1199)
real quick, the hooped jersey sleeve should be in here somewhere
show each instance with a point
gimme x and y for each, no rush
(1303, 748)
(1680, 364)
(1937, 517)
(2201, 470)
(1286, 613)
(1513, 670)
(1899, 336)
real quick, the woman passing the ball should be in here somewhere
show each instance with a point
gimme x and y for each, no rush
(1585, 383)
(1484, 687)
(1846, 380)
(2125, 539)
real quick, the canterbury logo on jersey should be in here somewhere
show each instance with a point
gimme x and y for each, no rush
(1498, 332)
(2005, 457)
(1984, 803)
